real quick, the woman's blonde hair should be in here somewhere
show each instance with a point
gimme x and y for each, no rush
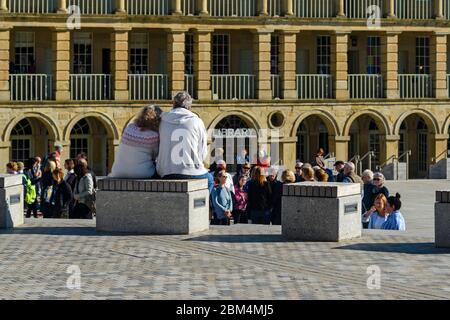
(308, 173)
(383, 200)
(288, 176)
(149, 118)
(321, 175)
(50, 166)
(58, 175)
(259, 176)
(12, 166)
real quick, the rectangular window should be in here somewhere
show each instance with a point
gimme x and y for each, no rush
(24, 53)
(189, 55)
(77, 146)
(82, 53)
(323, 55)
(373, 55)
(423, 55)
(275, 54)
(20, 149)
(221, 54)
(139, 53)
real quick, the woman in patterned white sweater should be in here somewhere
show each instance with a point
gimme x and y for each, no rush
(138, 149)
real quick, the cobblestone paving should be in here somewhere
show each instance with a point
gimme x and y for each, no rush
(230, 263)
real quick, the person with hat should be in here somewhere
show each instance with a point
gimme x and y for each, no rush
(222, 167)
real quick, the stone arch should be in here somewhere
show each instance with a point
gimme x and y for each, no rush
(446, 127)
(248, 118)
(108, 123)
(51, 126)
(427, 116)
(380, 120)
(326, 117)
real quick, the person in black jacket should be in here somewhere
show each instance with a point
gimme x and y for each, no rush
(277, 193)
(259, 197)
(47, 188)
(61, 195)
(71, 179)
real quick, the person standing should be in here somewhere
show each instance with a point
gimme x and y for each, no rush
(367, 199)
(244, 171)
(395, 220)
(349, 174)
(376, 216)
(339, 166)
(319, 159)
(47, 188)
(277, 193)
(61, 196)
(222, 200)
(32, 180)
(83, 193)
(259, 197)
(71, 179)
(378, 186)
(240, 201)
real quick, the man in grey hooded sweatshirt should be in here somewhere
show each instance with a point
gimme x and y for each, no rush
(183, 143)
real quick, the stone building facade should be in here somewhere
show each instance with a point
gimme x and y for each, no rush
(318, 71)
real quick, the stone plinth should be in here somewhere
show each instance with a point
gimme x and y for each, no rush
(321, 211)
(153, 207)
(11, 201)
(442, 219)
(440, 170)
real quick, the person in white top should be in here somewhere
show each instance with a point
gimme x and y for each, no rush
(139, 146)
(183, 147)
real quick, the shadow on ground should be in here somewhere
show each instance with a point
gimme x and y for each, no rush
(240, 238)
(407, 248)
(56, 231)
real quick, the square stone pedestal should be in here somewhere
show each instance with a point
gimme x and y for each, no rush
(442, 219)
(153, 207)
(328, 212)
(11, 201)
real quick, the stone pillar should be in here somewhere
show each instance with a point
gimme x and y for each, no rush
(288, 152)
(389, 64)
(340, 8)
(176, 5)
(439, 9)
(5, 35)
(120, 7)
(438, 147)
(288, 7)
(390, 8)
(262, 8)
(175, 51)
(3, 6)
(438, 62)
(390, 147)
(5, 147)
(288, 66)
(119, 63)
(261, 50)
(203, 63)
(61, 63)
(62, 6)
(339, 48)
(203, 5)
(341, 147)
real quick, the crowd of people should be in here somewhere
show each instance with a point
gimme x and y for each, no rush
(173, 146)
(54, 192)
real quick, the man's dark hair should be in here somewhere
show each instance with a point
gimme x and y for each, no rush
(339, 163)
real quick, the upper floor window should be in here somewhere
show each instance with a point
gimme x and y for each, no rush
(24, 52)
(82, 53)
(323, 55)
(139, 53)
(373, 55)
(423, 55)
(189, 54)
(275, 54)
(221, 54)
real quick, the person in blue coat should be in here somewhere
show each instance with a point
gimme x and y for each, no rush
(395, 220)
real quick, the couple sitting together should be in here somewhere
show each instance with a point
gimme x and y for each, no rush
(168, 145)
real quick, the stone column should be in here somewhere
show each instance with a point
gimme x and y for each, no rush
(439, 9)
(175, 51)
(120, 7)
(5, 35)
(390, 147)
(389, 64)
(4, 151)
(341, 147)
(119, 63)
(339, 63)
(288, 152)
(203, 63)
(61, 63)
(288, 49)
(340, 8)
(176, 5)
(262, 8)
(390, 8)
(438, 147)
(203, 5)
(3, 6)
(62, 6)
(438, 62)
(261, 50)
(288, 7)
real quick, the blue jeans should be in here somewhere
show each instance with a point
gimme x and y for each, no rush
(187, 177)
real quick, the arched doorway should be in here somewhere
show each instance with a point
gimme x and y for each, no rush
(233, 134)
(90, 136)
(312, 134)
(366, 135)
(416, 135)
(29, 138)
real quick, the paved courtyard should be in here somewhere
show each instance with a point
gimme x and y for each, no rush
(233, 263)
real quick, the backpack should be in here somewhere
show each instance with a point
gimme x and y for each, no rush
(30, 191)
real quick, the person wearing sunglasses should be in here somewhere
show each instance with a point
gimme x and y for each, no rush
(222, 200)
(378, 186)
(298, 172)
